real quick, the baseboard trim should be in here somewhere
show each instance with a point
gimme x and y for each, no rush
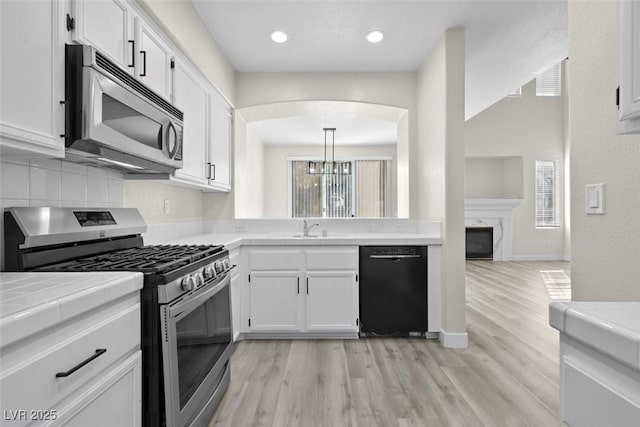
(454, 339)
(552, 257)
(296, 335)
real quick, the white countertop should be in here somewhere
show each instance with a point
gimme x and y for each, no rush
(234, 240)
(610, 327)
(31, 302)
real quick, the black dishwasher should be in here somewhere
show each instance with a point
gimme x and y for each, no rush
(393, 290)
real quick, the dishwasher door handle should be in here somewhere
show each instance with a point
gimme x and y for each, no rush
(394, 257)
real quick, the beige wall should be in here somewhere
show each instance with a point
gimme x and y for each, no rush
(276, 179)
(532, 127)
(605, 248)
(389, 89)
(493, 177)
(439, 182)
(396, 89)
(185, 204)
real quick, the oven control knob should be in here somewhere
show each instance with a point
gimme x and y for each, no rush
(188, 284)
(198, 279)
(218, 267)
(209, 272)
(226, 264)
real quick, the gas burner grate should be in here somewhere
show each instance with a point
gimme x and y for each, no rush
(156, 259)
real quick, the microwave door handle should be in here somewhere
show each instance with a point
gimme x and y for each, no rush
(144, 63)
(133, 53)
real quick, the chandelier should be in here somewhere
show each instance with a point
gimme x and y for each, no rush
(329, 167)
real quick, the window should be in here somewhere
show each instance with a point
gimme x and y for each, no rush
(547, 194)
(364, 193)
(548, 83)
(517, 93)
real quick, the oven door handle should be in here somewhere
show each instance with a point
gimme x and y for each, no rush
(184, 307)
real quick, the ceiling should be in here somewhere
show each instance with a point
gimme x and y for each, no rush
(307, 130)
(508, 42)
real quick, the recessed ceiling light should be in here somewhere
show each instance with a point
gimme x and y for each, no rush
(375, 36)
(279, 36)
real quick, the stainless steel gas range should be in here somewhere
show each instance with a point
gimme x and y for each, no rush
(186, 317)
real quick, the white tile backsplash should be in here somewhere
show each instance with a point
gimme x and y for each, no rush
(15, 181)
(44, 184)
(97, 189)
(73, 187)
(51, 182)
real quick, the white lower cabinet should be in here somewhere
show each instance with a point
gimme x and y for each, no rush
(114, 399)
(331, 301)
(275, 301)
(80, 372)
(301, 291)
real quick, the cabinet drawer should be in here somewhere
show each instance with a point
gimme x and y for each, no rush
(33, 384)
(279, 259)
(333, 258)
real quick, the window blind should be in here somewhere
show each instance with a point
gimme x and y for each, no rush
(547, 194)
(549, 82)
(362, 194)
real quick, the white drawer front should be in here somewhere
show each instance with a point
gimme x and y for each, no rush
(33, 384)
(332, 258)
(279, 259)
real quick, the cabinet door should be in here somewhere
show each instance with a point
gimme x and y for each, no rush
(190, 96)
(275, 301)
(220, 123)
(114, 400)
(153, 59)
(32, 84)
(331, 301)
(106, 25)
(629, 113)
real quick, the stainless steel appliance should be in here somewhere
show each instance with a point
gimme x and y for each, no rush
(114, 120)
(186, 317)
(393, 290)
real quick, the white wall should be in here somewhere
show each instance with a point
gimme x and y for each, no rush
(438, 189)
(493, 177)
(532, 127)
(605, 248)
(276, 179)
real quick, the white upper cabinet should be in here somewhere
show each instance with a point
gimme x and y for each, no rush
(629, 107)
(108, 26)
(220, 131)
(153, 59)
(190, 95)
(32, 83)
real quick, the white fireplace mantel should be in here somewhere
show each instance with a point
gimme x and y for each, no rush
(496, 213)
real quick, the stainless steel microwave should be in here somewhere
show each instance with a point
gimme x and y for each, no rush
(114, 120)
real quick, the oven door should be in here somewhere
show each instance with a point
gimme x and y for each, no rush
(196, 346)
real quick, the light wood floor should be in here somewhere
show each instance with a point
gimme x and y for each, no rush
(508, 376)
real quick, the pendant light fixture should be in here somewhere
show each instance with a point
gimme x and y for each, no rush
(329, 168)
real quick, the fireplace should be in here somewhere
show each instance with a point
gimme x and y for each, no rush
(479, 242)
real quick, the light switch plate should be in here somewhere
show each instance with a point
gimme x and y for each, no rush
(594, 199)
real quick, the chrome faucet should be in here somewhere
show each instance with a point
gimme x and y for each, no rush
(306, 227)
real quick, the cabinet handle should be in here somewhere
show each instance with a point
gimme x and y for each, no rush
(133, 53)
(298, 284)
(144, 63)
(307, 286)
(212, 169)
(99, 352)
